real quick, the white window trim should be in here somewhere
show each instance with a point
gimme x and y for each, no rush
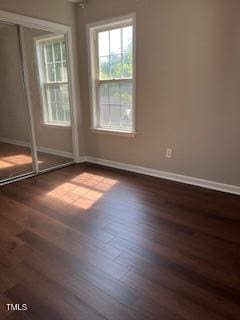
(91, 29)
(38, 41)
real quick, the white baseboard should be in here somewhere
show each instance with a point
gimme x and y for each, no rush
(82, 159)
(167, 175)
(137, 169)
(16, 142)
(39, 149)
(55, 152)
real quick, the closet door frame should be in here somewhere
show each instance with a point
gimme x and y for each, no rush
(24, 21)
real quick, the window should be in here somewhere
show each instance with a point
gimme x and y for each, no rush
(52, 65)
(112, 75)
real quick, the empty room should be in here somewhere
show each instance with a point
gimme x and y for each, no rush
(119, 160)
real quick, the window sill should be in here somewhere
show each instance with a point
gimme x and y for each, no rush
(114, 132)
(52, 125)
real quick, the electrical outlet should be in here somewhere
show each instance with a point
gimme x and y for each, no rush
(169, 153)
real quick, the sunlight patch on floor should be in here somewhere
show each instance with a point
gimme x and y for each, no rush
(18, 160)
(5, 164)
(83, 190)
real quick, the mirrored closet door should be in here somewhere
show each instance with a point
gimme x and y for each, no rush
(15, 137)
(46, 57)
(36, 105)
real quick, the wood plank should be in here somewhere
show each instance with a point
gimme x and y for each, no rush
(135, 248)
(203, 293)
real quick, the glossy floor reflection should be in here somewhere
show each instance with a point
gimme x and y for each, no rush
(16, 160)
(89, 243)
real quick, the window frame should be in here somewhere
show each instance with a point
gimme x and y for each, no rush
(93, 67)
(42, 76)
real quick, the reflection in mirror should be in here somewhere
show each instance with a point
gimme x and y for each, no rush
(15, 149)
(46, 57)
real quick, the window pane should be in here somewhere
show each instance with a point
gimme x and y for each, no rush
(65, 94)
(57, 51)
(49, 54)
(115, 101)
(59, 96)
(104, 115)
(65, 73)
(62, 94)
(126, 93)
(126, 116)
(116, 66)
(104, 68)
(53, 112)
(127, 66)
(58, 103)
(103, 43)
(60, 112)
(114, 93)
(127, 34)
(50, 72)
(115, 115)
(115, 41)
(51, 94)
(103, 94)
(67, 114)
(58, 67)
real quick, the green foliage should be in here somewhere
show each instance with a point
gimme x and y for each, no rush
(116, 66)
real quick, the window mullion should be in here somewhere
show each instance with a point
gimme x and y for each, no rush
(109, 57)
(55, 102)
(115, 80)
(61, 53)
(97, 71)
(50, 115)
(96, 39)
(45, 64)
(120, 100)
(110, 76)
(109, 108)
(54, 63)
(46, 110)
(121, 52)
(63, 106)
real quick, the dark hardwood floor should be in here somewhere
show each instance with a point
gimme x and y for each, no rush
(89, 243)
